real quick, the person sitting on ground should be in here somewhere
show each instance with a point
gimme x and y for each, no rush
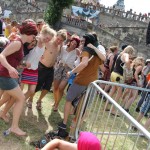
(84, 143)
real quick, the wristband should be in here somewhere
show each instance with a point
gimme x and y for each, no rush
(71, 73)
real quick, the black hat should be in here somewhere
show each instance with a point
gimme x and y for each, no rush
(124, 46)
(89, 38)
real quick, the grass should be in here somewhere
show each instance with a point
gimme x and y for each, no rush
(34, 122)
(37, 123)
(97, 121)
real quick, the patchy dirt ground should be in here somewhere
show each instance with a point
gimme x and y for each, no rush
(34, 122)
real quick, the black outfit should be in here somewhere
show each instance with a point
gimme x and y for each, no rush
(119, 66)
(1, 27)
(114, 61)
(89, 38)
(45, 77)
(148, 35)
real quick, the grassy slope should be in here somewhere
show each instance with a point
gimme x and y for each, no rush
(34, 122)
(37, 123)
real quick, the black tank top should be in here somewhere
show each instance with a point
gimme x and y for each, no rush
(107, 61)
(1, 27)
(119, 66)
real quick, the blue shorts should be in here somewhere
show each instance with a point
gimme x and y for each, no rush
(7, 83)
(145, 108)
(74, 91)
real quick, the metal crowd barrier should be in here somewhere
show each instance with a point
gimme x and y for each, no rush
(115, 132)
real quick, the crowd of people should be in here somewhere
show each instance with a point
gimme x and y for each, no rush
(34, 54)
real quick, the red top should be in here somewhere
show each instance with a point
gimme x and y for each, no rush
(13, 59)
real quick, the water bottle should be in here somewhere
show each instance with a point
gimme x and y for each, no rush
(7, 132)
(70, 80)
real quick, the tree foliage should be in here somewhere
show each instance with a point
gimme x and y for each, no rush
(55, 10)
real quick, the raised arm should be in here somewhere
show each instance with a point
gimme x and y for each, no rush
(80, 67)
(126, 60)
(60, 144)
(98, 52)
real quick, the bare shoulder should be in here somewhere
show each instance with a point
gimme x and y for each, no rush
(11, 48)
(16, 44)
(139, 68)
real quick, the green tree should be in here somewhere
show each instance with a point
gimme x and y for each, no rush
(54, 11)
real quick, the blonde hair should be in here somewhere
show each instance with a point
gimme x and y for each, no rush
(62, 33)
(46, 29)
(75, 36)
(113, 48)
(139, 61)
(130, 50)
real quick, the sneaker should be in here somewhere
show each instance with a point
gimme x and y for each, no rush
(62, 133)
(137, 109)
(146, 115)
(62, 125)
(127, 110)
(134, 128)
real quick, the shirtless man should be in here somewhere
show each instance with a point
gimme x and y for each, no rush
(46, 65)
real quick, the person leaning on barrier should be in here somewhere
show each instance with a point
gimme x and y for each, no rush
(131, 77)
(117, 74)
(87, 72)
(145, 108)
(145, 74)
(86, 141)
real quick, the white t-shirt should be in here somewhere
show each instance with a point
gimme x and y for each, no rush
(34, 57)
(68, 58)
(102, 49)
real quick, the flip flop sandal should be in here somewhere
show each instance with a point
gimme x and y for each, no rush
(38, 106)
(29, 104)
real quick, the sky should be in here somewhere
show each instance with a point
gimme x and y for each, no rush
(138, 6)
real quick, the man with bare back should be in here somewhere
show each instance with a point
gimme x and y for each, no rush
(46, 65)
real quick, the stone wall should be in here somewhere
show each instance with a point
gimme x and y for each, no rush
(109, 35)
(113, 26)
(22, 9)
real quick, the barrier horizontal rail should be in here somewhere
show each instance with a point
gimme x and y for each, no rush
(94, 118)
(121, 85)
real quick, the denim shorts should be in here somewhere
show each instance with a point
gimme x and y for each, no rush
(145, 108)
(7, 83)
